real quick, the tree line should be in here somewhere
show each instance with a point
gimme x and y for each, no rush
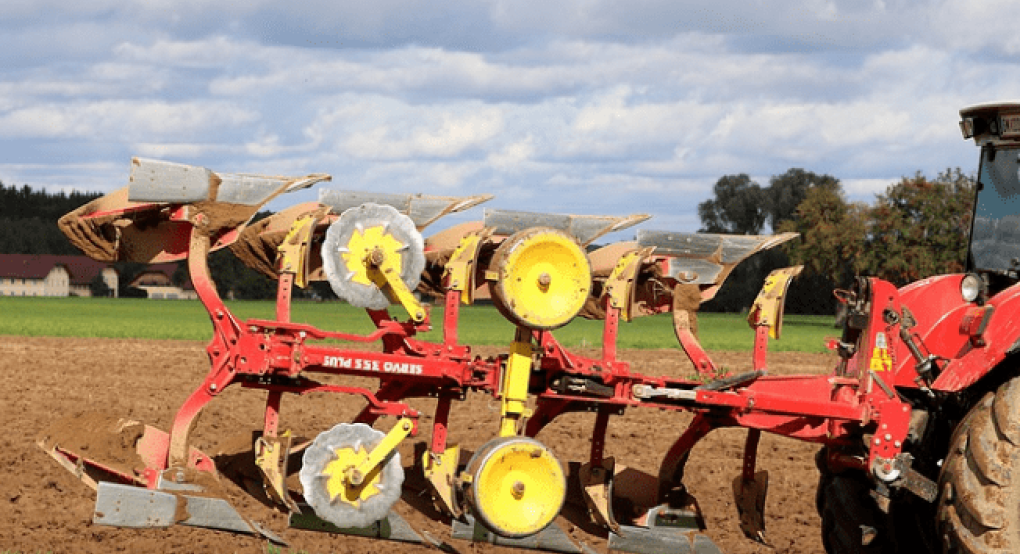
(28, 220)
(917, 228)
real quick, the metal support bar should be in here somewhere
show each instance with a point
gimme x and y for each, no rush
(384, 271)
(610, 332)
(379, 452)
(450, 317)
(683, 325)
(514, 388)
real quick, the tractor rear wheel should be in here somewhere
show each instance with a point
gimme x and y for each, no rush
(979, 507)
(850, 516)
(853, 523)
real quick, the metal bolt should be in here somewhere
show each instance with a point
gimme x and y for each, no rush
(518, 490)
(376, 257)
(897, 444)
(544, 280)
(212, 387)
(888, 437)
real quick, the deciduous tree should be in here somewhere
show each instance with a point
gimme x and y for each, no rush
(919, 227)
(832, 235)
(737, 206)
(786, 192)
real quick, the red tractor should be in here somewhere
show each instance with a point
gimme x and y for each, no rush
(947, 346)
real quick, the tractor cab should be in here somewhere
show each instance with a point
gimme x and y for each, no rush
(995, 234)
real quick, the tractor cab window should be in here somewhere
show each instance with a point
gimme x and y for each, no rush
(995, 238)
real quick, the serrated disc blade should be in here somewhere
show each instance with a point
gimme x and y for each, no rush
(321, 453)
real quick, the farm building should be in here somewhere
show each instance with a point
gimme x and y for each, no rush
(50, 275)
(157, 282)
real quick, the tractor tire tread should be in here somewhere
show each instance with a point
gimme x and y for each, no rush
(847, 508)
(979, 509)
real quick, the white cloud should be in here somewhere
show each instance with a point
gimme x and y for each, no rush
(395, 130)
(121, 120)
(974, 26)
(178, 151)
(513, 156)
(213, 52)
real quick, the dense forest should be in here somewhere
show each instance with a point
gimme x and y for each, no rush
(28, 220)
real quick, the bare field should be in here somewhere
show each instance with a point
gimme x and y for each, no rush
(47, 510)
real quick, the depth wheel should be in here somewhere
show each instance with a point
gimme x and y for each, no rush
(517, 486)
(979, 505)
(326, 479)
(544, 278)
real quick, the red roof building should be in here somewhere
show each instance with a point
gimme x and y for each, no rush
(49, 275)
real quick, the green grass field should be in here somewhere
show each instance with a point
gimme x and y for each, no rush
(480, 325)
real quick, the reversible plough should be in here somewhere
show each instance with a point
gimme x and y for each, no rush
(539, 273)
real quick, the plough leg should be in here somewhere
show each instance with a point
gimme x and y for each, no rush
(749, 490)
(596, 476)
(271, 454)
(440, 464)
(671, 472)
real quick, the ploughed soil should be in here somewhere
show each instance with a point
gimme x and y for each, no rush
(61, 382)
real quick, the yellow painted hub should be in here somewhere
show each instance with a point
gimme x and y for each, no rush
(340, 473)
(517, 486)
(544, 278)
(360, 249)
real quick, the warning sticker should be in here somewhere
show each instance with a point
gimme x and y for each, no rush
(881, 360)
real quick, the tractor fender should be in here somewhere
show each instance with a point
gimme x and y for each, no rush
(930, 298)
(938, 310)
(980, 354)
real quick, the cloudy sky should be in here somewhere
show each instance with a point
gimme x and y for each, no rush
(598, 107)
